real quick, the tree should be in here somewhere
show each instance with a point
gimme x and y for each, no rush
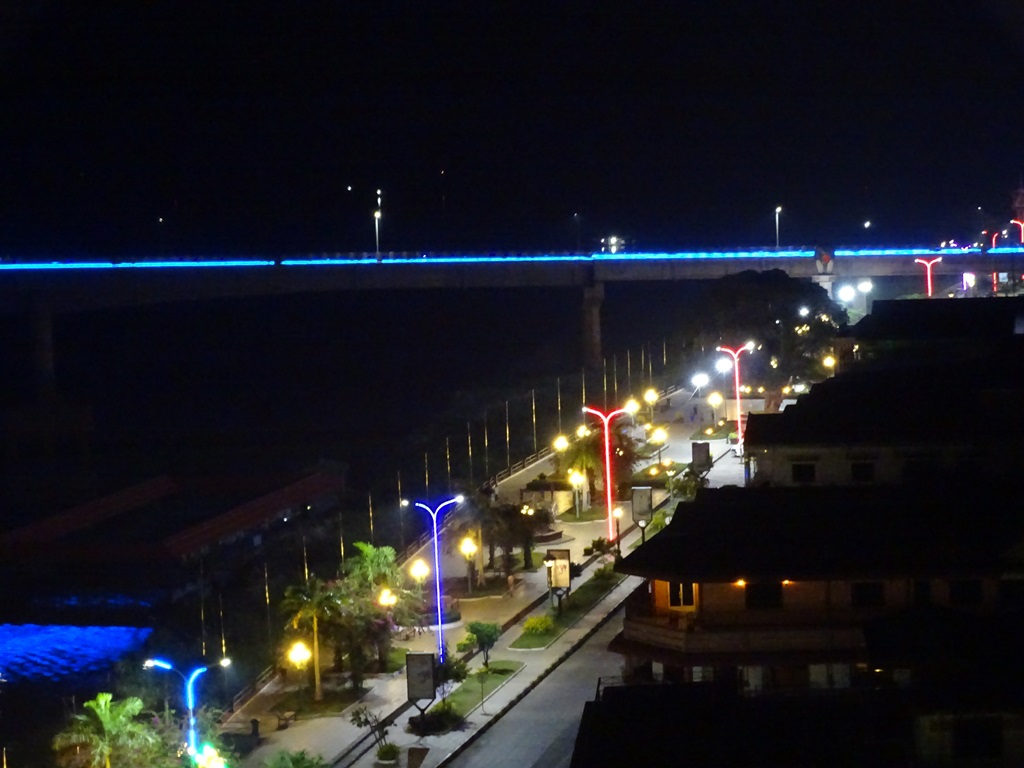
(375, 567)
(586, 454)
(300, 759)
(486, 635)
(107, 734)
(310, 604)
(687, 483)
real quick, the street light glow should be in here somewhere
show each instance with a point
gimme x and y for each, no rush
(700, 380)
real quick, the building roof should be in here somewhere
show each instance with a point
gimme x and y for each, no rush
(941, 319)
(772, 534)
(938, 403)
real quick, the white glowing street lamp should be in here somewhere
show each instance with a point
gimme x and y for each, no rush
(631, 408)
(778, 210)
(700, 380)
(437, 566)
(190, 693)
(735, 354)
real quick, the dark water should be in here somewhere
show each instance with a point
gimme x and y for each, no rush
(374, 381)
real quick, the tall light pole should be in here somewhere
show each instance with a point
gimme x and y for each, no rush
(577, 479)
(468, 548)
(437, 566)
(928, 264)
(630, 408)
(735, 353)
(190, 695)
(778, 210)
(376, 232)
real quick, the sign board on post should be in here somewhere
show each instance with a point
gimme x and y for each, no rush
(643, 504)
(420, 676)
(701, 457)
(559, 576)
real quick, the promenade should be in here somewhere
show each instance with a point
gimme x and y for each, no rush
(342, 744)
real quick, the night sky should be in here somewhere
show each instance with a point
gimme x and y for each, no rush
(489, 125)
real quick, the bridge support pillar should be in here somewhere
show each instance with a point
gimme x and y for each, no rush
(593, 296)
(42, 350)
(825, 281)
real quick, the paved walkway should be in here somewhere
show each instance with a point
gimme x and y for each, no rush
(339, 742)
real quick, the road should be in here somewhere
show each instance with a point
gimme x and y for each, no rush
(541, 729)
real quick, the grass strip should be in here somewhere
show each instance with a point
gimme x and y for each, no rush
(579, 602)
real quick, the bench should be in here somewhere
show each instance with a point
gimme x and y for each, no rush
(284, 718)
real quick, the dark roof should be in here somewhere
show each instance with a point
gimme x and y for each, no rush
(940, 403)
(941, 319)
(728, 534)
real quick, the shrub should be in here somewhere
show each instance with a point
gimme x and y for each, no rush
(438, 719)
(605, 572)
(539, 625)
(588, 551)
(601, 546)
(468, 644)
(388, 752)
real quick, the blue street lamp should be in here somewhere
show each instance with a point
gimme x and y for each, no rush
(437, 567)
(190, 696)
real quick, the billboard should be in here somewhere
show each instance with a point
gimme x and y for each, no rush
(643, 504)
(420, 676)
(558, 574)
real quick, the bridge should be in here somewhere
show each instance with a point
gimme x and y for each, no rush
(43, 287)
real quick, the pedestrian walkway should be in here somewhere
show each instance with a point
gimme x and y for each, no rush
(340, 743)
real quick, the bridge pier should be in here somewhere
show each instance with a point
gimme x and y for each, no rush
(593, 296)
(42, 350)
(825, 281)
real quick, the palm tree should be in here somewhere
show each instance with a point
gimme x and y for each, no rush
(311, 603)
(107, 732)
(375, 566)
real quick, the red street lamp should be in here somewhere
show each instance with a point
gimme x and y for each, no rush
(928, 264)
(736, 378)
(631, 407)
(1020, 224)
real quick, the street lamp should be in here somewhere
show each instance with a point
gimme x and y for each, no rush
(376, 231)
(700, 380)
(631, 407)
(190, 696)
(437, 566)
(387, 599)
(468, 549)
(658, 437)
(651, 397)
(560, 443)
(419, 570)
(715, 399)
(402, 504)
(778, 210)
(617, 514)
(299, 654)
(928, 264)
(577, 479)
(735, 353)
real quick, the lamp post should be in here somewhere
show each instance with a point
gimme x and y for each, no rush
(376, 232)
(735, 353)
(631, 407)
(577, 479)
(617, 514)
(419, 570)
(437, 566)
(658, 437)
(651, 397)
(778, 210)
(190, 695)
(715, 399)
(468, 549)
(928, 264)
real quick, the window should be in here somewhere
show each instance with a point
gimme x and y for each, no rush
(867, 594)
(922, 593)
(965, 592)
(763, 595)
(681, 594)
(804, 473)
(862, 472)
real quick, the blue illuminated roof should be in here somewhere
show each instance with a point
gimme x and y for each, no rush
(35, 652)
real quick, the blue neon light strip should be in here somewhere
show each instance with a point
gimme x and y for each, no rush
(363, 259)
(867, 252)
(50, 265)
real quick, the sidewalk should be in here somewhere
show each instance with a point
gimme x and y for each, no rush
(339, 742)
